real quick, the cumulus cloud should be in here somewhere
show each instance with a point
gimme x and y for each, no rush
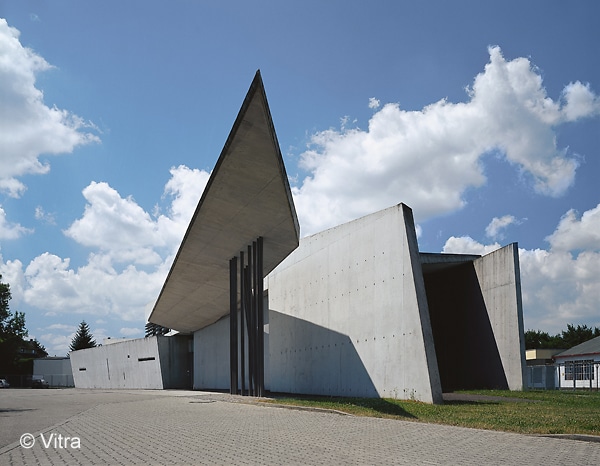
(116, 225)
(560, 285)
(580, 101)
(29, 127)
(497, 225)
(430, 157)
(374, 103)
(573, 233)
(10, 230)
(121, 233)
(120, 228)
(467, 245)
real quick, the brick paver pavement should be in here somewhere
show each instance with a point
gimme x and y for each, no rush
(192, 428)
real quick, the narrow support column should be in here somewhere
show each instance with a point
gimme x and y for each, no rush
(260, 343)
(233, 331)
(251, 321)
(242, 319)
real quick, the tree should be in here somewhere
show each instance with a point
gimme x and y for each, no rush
(12, 333)
(573, 336)
(576, 335)
(536, 339)
(83, 338)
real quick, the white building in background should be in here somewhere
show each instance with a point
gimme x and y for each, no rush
(579, 367)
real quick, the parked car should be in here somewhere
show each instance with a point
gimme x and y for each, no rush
(39, 383)
(4, 383)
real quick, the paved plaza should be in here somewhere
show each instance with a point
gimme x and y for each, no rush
(74, 426)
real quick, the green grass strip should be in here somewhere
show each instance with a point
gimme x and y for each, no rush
(529, 412)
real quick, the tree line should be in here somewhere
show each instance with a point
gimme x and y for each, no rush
(572, 336)
(17, 351)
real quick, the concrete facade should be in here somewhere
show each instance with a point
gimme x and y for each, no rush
(477, 319)
(348, 313)
(357, 311)
(152, 363)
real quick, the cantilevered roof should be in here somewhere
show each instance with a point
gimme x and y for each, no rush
(247, 196)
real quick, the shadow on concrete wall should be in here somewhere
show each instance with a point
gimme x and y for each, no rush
(176, 361)
(466, 349)
(306, 358)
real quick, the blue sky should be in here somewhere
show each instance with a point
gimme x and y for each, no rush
(484, 118)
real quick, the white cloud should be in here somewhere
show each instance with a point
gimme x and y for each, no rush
(11, 230)
(12, 273)
(184, 188)
(29, 127)
(122, 232)
(56, 343)
(573, 234)
(557, 285)
(121, 229)
(467, 245)
(69, 328)
(374, 103)
(560, 288)
(43, 216)
(495, 227)
(580, 101)
(131, 331)
(117, 226)
(428, 158)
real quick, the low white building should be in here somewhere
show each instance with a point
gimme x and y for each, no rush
(150, 363)
(579, 367)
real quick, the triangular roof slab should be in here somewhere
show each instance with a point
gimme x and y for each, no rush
(247, 196)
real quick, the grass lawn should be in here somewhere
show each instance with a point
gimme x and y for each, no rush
(545, 412)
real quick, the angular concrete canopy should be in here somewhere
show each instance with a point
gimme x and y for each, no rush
(247, 196)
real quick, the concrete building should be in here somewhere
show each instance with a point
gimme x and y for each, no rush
(150, 363)
(355, 310)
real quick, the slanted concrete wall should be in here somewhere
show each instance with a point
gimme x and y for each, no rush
(500, 283)
(477, 321)
(348, 313)
(130, 364)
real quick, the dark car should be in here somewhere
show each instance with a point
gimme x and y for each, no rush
(39, 383)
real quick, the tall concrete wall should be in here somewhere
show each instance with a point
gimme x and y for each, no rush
(500, 283)
(348, 313)
(129, 364)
